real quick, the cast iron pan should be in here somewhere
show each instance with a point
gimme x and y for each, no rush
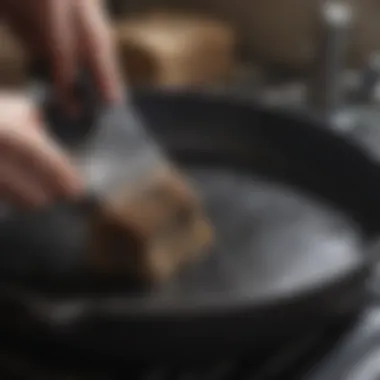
(295, 209)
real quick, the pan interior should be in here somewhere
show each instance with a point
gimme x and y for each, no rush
(273, 239)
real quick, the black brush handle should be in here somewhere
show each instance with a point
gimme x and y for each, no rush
(69, 129)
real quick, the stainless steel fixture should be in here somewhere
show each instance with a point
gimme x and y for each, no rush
(326, 91)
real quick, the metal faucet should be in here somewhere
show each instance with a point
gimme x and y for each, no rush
(326, 91)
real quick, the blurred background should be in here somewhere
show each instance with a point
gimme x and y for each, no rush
(319, 55)
(288, 52)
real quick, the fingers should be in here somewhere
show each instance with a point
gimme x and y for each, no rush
(53, 167)
(37, 157)
(46, 27)
(17, 112)
(34, 174)
(20, 189)
(60, 32)
(98, 47)
(33, 169)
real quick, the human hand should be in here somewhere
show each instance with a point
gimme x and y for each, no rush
(69, 34)
(33, 170)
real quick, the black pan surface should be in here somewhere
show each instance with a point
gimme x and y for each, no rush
(294, 207)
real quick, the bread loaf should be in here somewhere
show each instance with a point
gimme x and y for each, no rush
(168, 49)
